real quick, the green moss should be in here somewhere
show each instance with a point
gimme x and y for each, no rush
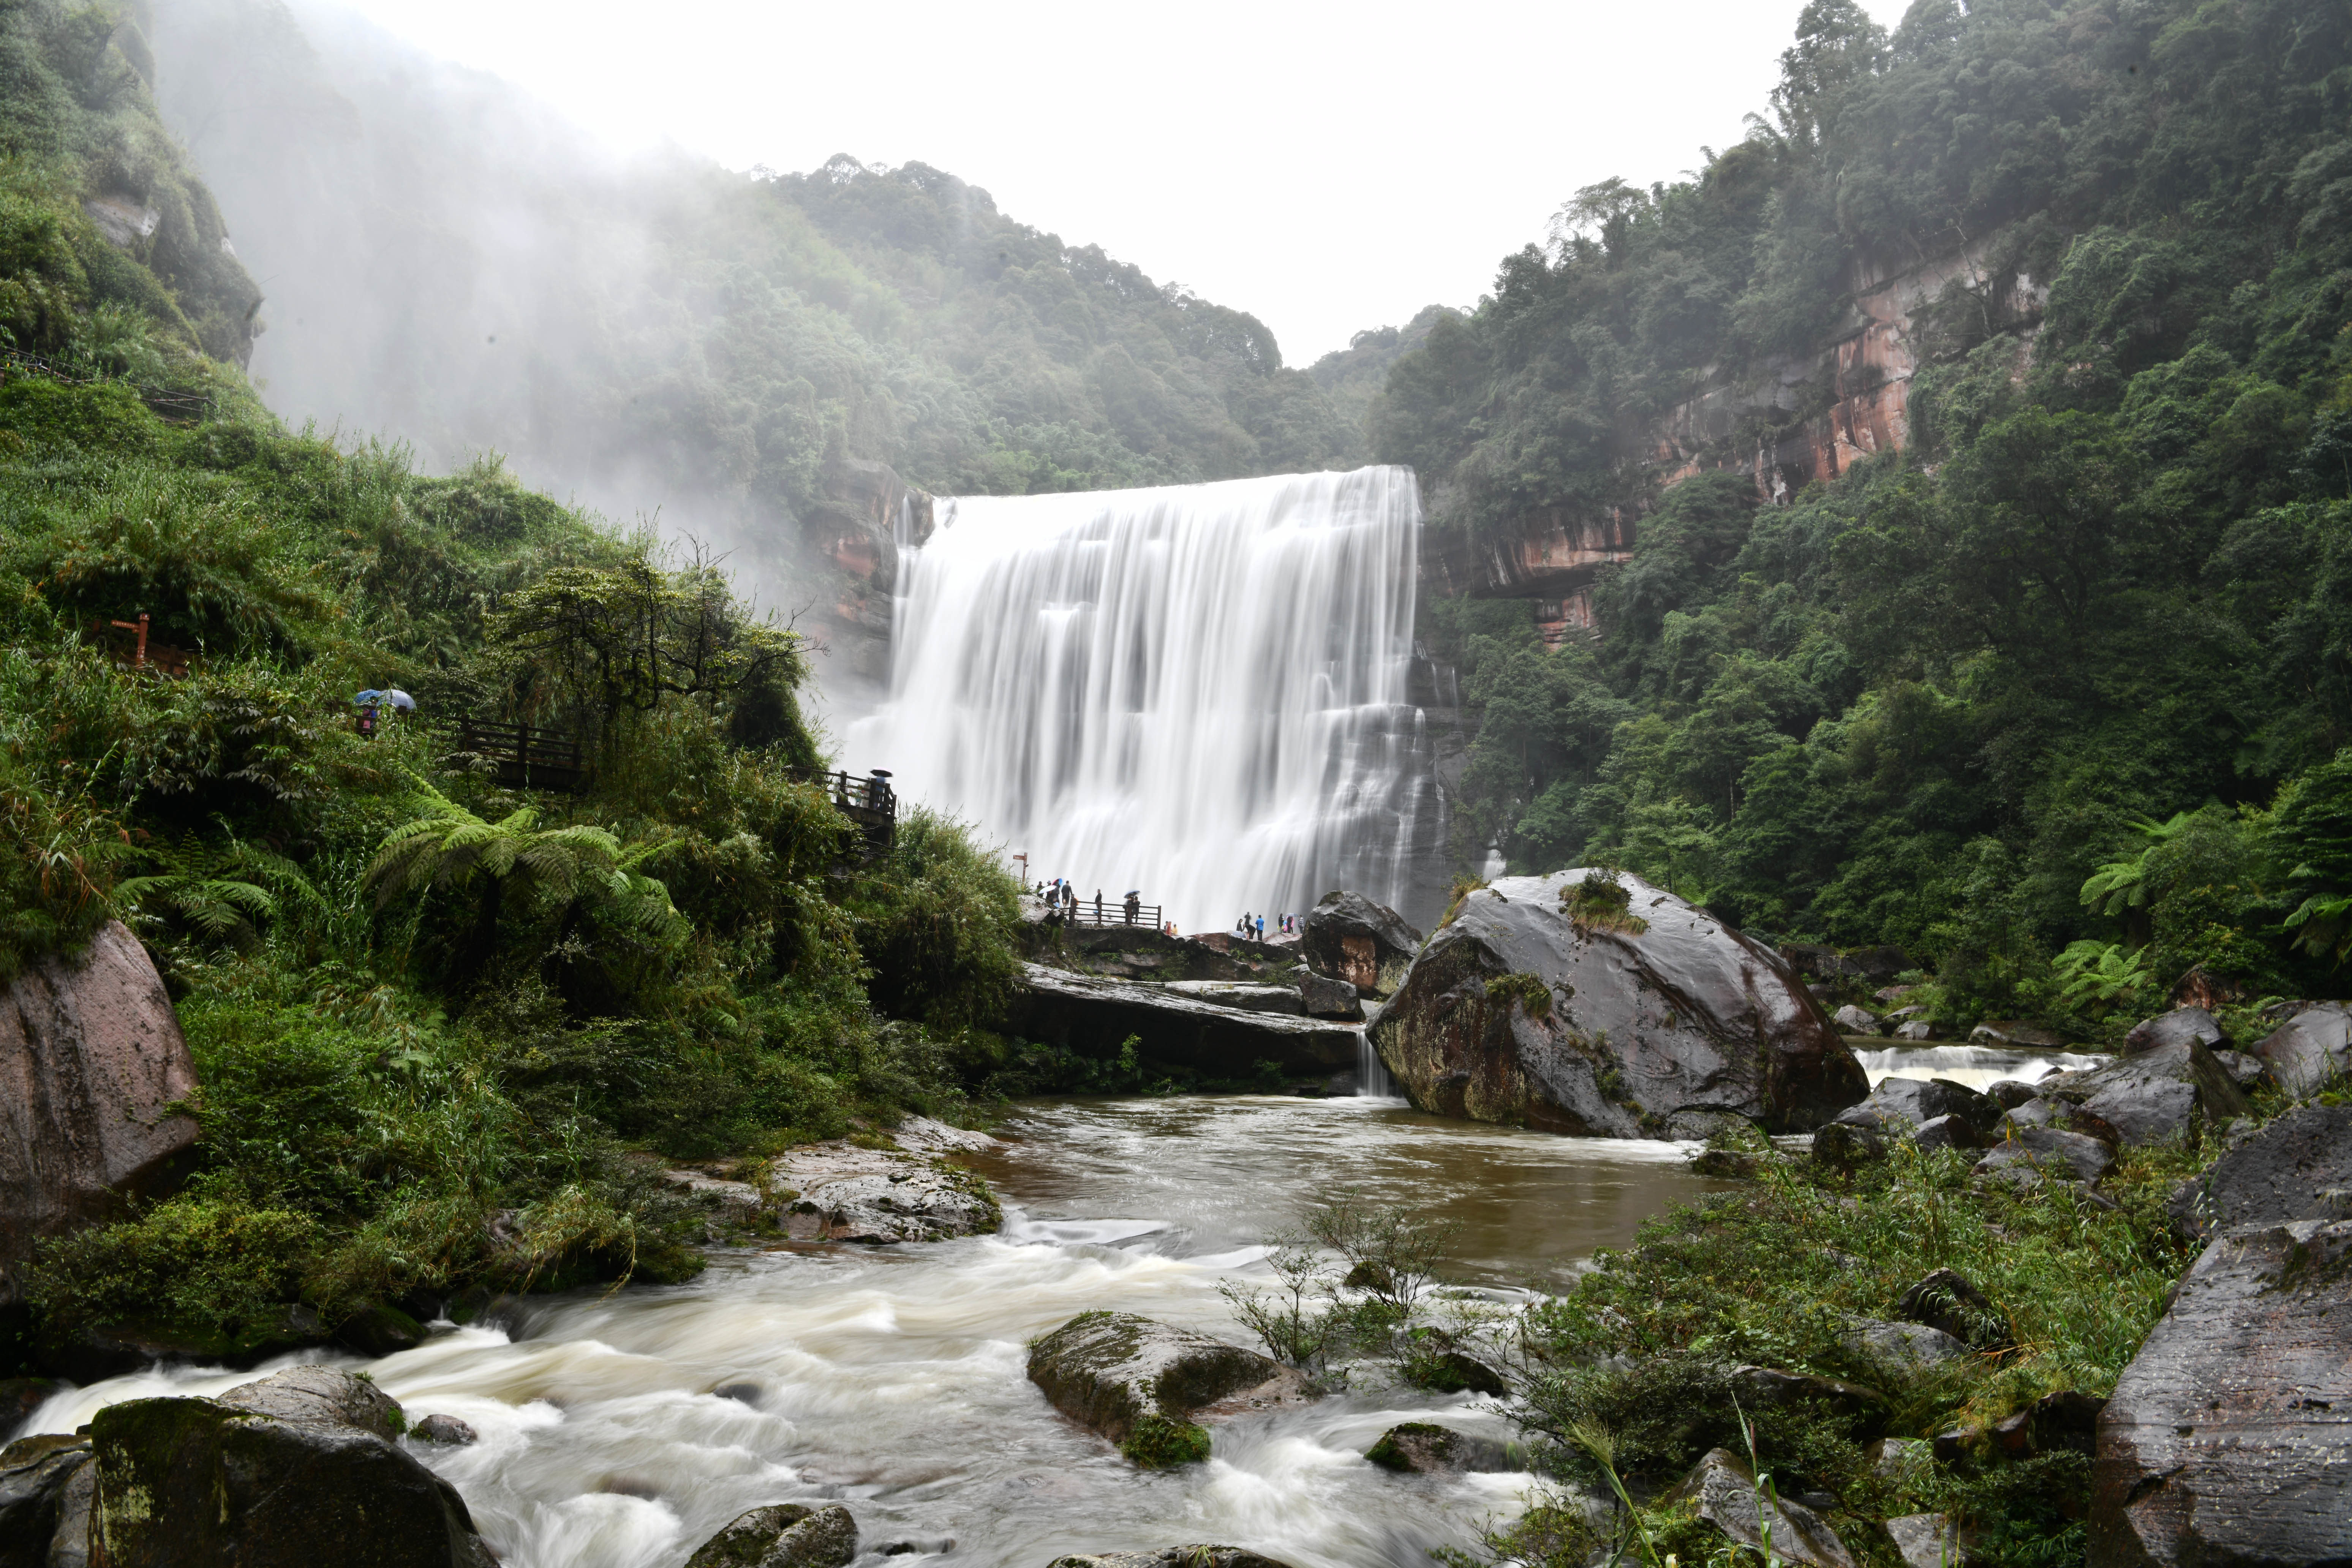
(1156, 1442)
(1388, 1456)
(1530, 991)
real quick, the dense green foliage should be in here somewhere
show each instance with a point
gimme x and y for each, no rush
(2103, 585)
(441, 1021)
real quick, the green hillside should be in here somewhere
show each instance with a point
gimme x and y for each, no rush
(2052, 699)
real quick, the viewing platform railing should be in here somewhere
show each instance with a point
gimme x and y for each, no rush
(1148, 917)
(866, 800)
(528, 756)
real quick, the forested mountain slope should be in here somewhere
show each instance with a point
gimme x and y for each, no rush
(2094, 618)
(449, 261)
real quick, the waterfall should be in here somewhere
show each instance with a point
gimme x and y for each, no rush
(1199, 693)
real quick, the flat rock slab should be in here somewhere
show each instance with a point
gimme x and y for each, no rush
(1249, 998)
(1172, 1026)
(1724, 1489)
(90, 1054)
(2284, 1171)
(841, 1191)
(2229, 1437)
(1110, 1370)
(1520, 1011)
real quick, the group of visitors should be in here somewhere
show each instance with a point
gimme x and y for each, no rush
(1062, 903)
(1252, 928)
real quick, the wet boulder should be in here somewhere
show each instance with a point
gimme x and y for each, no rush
(914, 1203)
(1852, 1020)
(38, 1479)
(282, 1473)
(783, 1535)
(1929, 1540)
(1902, 1345)
(1324, 997)
(1172, 1557)
(447, 1430)
(1348, 937)
(2229, 1437)
(1424, 1447)
(90, 1056)
(1534, 1007)
(2176, 1027)
(2017, 1035)
(1249, 997)
(1903, 1105)
(2167, 1094)
(2284, 1172)
(1093, 1014)
(2310, 1051)
(1723, 1491)
(1140, 1383)
(1947, 1132)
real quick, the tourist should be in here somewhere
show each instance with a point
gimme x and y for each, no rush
(1134, 905)
(1098, 906)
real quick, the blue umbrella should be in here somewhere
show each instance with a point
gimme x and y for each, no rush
(401, 700)
(370, 695)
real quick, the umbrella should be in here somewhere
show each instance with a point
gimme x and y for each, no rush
(401, 700)
(370, 695)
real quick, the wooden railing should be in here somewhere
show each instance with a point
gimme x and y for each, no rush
(866, 800)
(528, 756)
(1112, 913)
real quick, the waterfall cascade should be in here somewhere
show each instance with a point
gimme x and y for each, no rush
(1199, 691)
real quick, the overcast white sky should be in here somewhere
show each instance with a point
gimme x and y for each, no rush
(1326, 167)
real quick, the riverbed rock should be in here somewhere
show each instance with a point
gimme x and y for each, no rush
(783, 1535)
(914, 1203)
(2172, 1028)
(1424, 1447)
(2036, 1154)
(90, 1056)
(1518, 1012)
(1852, 1020)
(2310, 1051)
(1948, 1132)
(1140, 1383)
(1928, 1541)
(1770, 1388)
(2017, 1035)
(1842, 1145)
(2229, 1437)
(2284, 1172)
(2245, 1069)
(295, 1471)
(1093, 1015)
(1324, 997)
(447, 1430)
(1723, 1491)
(2165, 1094)
(1905, 1345)
(2009, 1093)
(1944, 1299)
(1902, 1105)
(1348, 937)
(1172, 1557)
(37, 1476)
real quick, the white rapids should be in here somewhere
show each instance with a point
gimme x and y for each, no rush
(1200, 692)
(1978, 1066)
(892, 1378)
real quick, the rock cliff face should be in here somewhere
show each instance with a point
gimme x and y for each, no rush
(855, 531)
(1655, 1024)
(90, 1057)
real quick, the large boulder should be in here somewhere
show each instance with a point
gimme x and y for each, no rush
(1140, 1383)
(2028, 1156)
(1173, 1027)
(2284, 1172)
(2165, 1094)
(39, 1522)
(2310, 1051)
(1524, 1010)
(1903, 1105)
(783, 1535)
(283, 1473)
(1348, 937)
(2173, 1028)
(91, 1058)
(2229, 1438)
(1324, 997)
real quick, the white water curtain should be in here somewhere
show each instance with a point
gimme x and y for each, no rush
(1198, 691)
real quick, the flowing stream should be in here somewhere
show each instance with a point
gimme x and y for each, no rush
(1199, 693)
(892, 1378)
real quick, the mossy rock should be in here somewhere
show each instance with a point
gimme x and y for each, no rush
(783, 1535)
(1156, 1443)
(1427, 1448)
(1139, 1383)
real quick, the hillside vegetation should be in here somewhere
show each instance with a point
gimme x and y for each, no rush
(2053, 698)
(442, 1024)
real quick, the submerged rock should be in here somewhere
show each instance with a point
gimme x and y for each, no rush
(90, 1057)
(1521, 1011)
(2229, 1437)
(1348, 937)
(1426, 1448)
(1725, 1493)
(2284, 1172)
(783, 1535)
(1140, 1383)
(282, 1473)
